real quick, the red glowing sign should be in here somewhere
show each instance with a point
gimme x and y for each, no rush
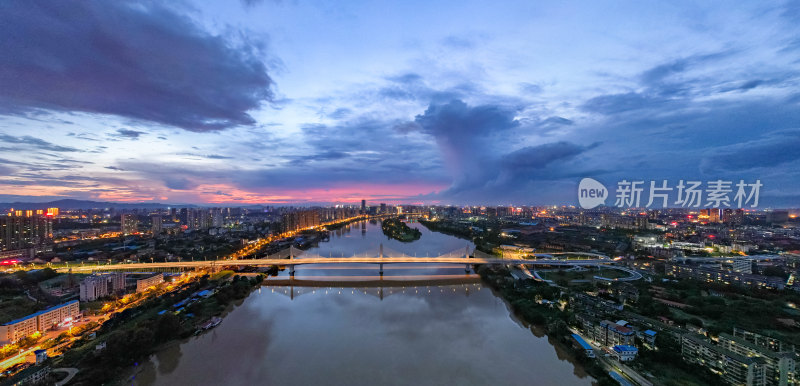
(9, 262)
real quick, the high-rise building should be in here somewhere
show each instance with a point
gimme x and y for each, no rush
(363, 206)
(714, 215)
(777, 217)
(129, 223)
(383, 208)
(155, 226)
(299, 219)
(217, 219)
(738, 216)
(24, 229)
(197, 219)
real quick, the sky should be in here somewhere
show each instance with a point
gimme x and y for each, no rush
(307, 102)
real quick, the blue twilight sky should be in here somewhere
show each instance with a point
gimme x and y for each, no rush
(414, 101)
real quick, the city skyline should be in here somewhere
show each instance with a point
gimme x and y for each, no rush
(264, 102)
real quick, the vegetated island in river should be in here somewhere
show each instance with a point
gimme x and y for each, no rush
(398, 230)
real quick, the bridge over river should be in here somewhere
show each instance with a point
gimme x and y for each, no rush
(292, 257)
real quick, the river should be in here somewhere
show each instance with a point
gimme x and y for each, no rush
(402, 331)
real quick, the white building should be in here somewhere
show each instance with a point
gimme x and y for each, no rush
(39, 321)
(742, 265)
(625, 353)
(97, 286)
(143, 284)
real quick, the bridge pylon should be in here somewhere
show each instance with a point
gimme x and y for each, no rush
(381, 264)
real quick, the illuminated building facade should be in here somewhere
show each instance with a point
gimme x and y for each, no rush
(24, 229)
(155, 225)
(38, 322)
(129, 223)
(143, 284)
(299, 219)
(97, 286)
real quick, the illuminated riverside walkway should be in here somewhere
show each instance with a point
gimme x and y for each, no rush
(294, 258)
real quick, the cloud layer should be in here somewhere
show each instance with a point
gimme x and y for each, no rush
(139, 60)
(144, 101)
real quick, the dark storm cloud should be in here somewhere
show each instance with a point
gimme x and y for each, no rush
(530, 88)
(479, 148)
(218, 156)
(771, 150)
(358, 151)
(35, 142)
(465, 134)
(206, 156)
(665, 86)
(455, 121)
(551, 124)
(340, 113)
(138, 60)
(620, 103)
(132, 134)
(751, 84)
(178, 183)
(537, 157)
(663, 73)
(326, 155)
(413, 87)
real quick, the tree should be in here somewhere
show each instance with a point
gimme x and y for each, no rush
(775, 271)
(168, 326)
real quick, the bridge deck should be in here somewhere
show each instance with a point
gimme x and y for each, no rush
(337, 260)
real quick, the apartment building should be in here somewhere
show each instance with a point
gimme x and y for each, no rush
(38, 322)
(780, 366)
(735, 369)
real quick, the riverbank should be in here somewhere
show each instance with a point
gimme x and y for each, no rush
(523, 303)
(132, 335)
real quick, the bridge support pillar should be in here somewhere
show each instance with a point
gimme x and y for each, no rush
(381, 269)
(291, 270)
(466, 268)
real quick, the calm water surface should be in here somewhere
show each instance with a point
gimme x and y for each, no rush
(402, 332)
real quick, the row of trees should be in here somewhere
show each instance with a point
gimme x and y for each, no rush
(129, 337)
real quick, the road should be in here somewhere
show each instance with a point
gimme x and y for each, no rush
(71, 371)
(612, 365)
(333, 260)
(19, 358)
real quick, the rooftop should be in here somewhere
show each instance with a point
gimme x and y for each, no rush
(586, 346)
(35, 314)
(624, 347)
